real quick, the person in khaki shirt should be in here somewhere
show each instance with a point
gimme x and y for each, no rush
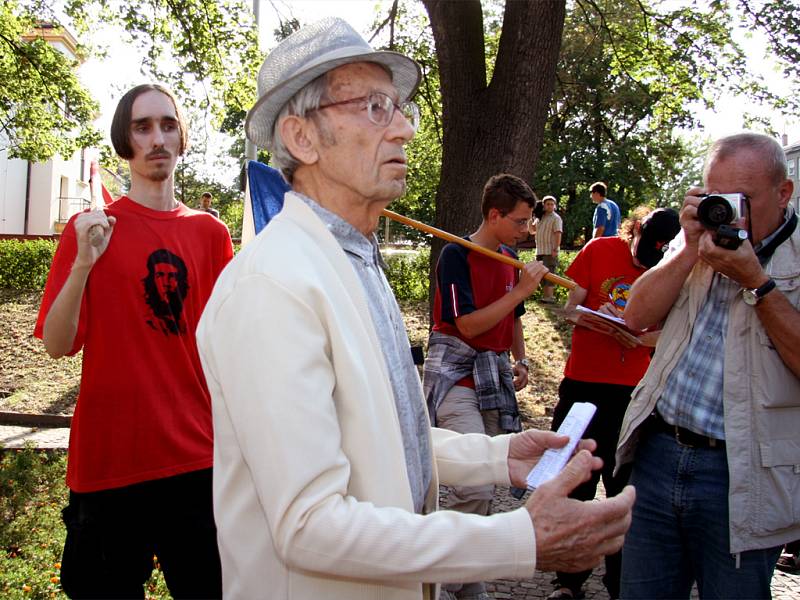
(547, 230)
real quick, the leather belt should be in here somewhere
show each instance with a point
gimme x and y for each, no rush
(683, 436)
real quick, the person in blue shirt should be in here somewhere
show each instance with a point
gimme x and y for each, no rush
(606, 217)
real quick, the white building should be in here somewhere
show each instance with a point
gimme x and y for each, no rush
(793, 159)
(39, 198)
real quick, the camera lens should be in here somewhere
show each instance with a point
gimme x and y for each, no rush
(714, 211)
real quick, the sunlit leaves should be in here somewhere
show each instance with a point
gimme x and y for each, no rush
(44, 110)
(205, 50)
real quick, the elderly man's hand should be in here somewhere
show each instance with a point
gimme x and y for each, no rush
(571, 535)
(526, 448)
(692, 228)
(740, 265)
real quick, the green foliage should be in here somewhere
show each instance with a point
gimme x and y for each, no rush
(205, 50)
(412, 36)
(192, 180)
(565, 258)
(44, 109)
(408, 274)
(232, 214)
(32, 492)
(24, 265)
(628, 73)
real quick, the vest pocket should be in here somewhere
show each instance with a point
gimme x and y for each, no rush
(789, 286)
(777, 386)
(780, 490)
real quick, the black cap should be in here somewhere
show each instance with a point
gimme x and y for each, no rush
(657, 230)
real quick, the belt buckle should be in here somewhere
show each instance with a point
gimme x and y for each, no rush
(678, 437)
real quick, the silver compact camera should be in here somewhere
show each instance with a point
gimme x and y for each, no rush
(718, 212)
(720, 209)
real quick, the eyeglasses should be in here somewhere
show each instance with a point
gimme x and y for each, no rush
(380, 109)
(519, 222)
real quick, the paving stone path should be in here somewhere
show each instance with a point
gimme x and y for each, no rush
(784, 586)
(13, 436)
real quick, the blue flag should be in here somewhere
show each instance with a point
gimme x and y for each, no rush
(263, 198)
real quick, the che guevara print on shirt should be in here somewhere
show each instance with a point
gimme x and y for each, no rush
(165, 289)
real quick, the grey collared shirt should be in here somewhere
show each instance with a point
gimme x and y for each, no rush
(388, 321)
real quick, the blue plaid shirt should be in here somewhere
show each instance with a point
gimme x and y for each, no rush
(692, 397)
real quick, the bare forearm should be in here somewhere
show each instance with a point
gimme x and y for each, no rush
(782, 323)
(654, 293)
(61, 323)
(556, 240)
(598, 231)
(483, 319)
(575, 298)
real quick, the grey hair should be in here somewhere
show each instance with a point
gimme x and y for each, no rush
(303, 102)
(770, 151)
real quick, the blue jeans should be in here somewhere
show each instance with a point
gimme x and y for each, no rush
(679, 532)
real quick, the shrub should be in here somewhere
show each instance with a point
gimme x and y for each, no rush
(408, 274)
(565, 258)
(32, 491)
(24, 265)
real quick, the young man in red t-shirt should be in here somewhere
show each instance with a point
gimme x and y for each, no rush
(606, 362)
(140, 454)
(469, 381)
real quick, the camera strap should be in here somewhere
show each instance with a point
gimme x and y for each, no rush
(767, 250)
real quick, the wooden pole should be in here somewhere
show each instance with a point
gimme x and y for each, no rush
(551, 277)
(96, 195)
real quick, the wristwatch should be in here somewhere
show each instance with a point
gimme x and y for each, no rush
(524, 362)
(753, 296)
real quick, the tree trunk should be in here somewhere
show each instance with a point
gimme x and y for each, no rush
(494, 127)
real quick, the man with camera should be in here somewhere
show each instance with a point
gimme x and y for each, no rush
(712, 427)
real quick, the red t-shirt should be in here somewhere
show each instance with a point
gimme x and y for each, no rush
(605, 269)
(143, 411)
(467, 281)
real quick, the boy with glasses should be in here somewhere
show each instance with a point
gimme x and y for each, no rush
(469, 380)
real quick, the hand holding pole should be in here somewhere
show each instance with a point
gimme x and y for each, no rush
(551, 277)
(96, 194)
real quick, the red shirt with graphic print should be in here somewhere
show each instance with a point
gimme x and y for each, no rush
(604, 267)
(143, 411)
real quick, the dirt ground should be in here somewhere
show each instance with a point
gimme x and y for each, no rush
(31, 381)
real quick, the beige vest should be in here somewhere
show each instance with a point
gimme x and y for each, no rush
(761, 399)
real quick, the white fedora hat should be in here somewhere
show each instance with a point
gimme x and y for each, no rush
(307, 54)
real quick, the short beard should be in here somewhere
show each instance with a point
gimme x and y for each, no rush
(158, 175)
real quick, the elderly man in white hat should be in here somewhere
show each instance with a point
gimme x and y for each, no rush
(326, 469)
